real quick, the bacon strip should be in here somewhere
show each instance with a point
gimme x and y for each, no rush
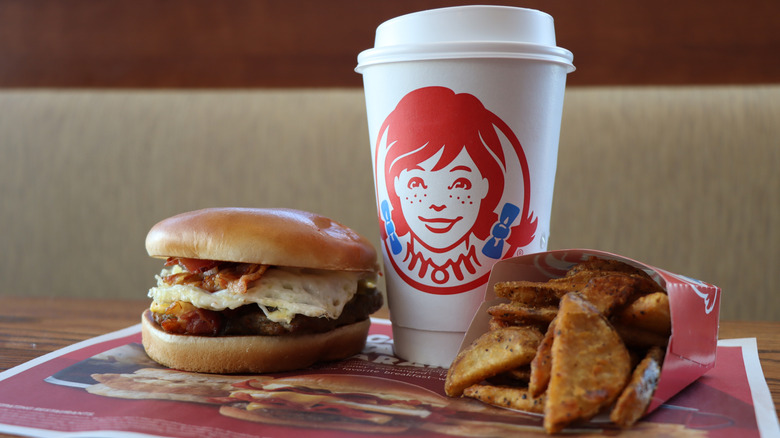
(192, 265)
(213, 276)
(184, 318)
(254, 272)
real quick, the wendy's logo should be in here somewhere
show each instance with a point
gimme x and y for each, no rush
(453, 188)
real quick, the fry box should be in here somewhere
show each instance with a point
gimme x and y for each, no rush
(694, 307)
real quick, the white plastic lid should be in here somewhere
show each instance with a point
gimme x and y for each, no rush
(467, 32)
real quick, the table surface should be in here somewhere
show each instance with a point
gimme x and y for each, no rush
(32, 327)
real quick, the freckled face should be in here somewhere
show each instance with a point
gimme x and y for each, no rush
(441, 206)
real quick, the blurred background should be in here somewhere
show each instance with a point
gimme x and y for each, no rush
(117, 114)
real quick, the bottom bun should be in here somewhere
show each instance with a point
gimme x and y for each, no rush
(249, 354)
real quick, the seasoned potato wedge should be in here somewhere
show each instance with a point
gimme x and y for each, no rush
(635, 398)
(506, 397)
(493, 353)
(648, 312)
(590, 365)
(541, 365)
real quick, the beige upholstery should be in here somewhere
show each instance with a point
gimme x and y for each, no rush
(683, 178)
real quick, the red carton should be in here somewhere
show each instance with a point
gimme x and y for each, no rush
(694, 306)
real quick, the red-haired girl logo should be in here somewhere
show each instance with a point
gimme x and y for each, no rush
(453, 188)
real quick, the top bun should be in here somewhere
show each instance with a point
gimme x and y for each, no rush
(272, 236)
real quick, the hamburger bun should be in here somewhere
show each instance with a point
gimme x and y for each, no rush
(272, 236)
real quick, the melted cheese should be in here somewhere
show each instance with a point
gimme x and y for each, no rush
(282, 293)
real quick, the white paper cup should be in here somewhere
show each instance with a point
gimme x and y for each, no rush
(464, 110)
